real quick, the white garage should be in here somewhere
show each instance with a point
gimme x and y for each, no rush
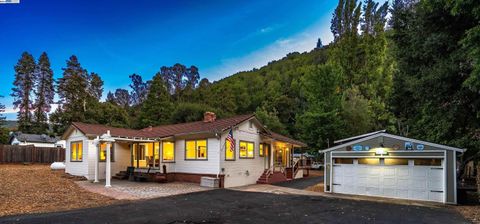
(383, 165)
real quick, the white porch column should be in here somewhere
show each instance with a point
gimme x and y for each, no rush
(97, 149)
(107, 138)
(108, 176)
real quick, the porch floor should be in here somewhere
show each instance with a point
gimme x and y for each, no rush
(128, 190)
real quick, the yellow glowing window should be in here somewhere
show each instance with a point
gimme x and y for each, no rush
(369, 161)
(229, 151)
(396, 162)
(156, 147)
(263, 149)
(76, 151)
(342, 161)
(103, 152)
(168, 151)
(196, 149)
(246, 150)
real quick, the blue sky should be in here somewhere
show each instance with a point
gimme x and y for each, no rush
(116, 38)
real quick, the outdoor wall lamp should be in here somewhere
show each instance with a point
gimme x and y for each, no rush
(381, 151)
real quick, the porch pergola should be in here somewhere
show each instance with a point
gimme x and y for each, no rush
(109, 140)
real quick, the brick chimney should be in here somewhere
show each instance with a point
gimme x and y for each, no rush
(150, 128)
(209, 117)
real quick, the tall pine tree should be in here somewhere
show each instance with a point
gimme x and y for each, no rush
(44, 94)
(158, 106)
(22, 90)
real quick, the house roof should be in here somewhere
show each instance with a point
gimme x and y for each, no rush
(194, 127)
(163, 131)
(358, 136)
(283, 138)
(33, 138)
(384, 134)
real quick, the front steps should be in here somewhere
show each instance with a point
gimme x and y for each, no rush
(275, 177)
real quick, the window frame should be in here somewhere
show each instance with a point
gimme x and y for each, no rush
(196, 150)
(234, 152)
(112, 152)
(265, 147)
(71, 152)
(174, 156)
(246, 157)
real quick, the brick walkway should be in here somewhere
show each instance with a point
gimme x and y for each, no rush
(127, 190)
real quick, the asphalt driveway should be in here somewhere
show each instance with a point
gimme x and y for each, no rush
(229, 206)
(301, 183)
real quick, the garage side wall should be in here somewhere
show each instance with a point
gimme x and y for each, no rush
(328, 167)
(451, 182)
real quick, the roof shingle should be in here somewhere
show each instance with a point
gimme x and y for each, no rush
(175, 129)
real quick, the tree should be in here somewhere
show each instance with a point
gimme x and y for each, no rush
(271, 120)
(139, 89)
(188, 112)
(434, 91)
(180, 80)
(321, 122)
(45, 93)
(22, 90)
(120, 98)
(319, 44)
(79, 94)
(158, 106)
(4, 133)
(95, 87)
(2, 117)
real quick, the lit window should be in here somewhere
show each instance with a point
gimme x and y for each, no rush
(246, 150)
(395, 162)
(342, 161)
(76, 151)
(229, 151)
(103, 152)
(369, 161)
(263, 149)
(168, 151)
(196, 149)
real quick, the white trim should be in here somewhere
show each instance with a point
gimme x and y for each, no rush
(390, 151)
(324, 172)
(388, 157)
(331, 174)
(454, 177)
(359, 136)
(395, 137)
(445, 175)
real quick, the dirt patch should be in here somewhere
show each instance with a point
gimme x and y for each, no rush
(471, 212)
(316, 188)
(36, 188)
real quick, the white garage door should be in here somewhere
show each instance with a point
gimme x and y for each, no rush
(395, 181)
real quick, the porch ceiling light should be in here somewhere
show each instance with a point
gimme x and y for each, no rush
(381, 151)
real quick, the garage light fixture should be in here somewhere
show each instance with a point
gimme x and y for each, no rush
(381, 151)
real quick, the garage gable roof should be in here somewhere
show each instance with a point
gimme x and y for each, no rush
(383, 134)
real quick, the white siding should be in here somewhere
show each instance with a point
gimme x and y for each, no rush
(121, 161)
(242, 171)
(209, 166)
(77, 168)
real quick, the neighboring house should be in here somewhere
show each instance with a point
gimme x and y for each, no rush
(19, 138)
(188, 150)
(386, 165)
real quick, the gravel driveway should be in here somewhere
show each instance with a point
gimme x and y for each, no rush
(229, 206)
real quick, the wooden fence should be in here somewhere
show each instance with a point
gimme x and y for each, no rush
(30, 154)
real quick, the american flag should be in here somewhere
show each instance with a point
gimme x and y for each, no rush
(231, 140)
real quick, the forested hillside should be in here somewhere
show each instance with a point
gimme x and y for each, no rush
(415, 73)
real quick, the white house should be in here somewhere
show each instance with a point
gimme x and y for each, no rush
(19, 138)
(189, 151)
